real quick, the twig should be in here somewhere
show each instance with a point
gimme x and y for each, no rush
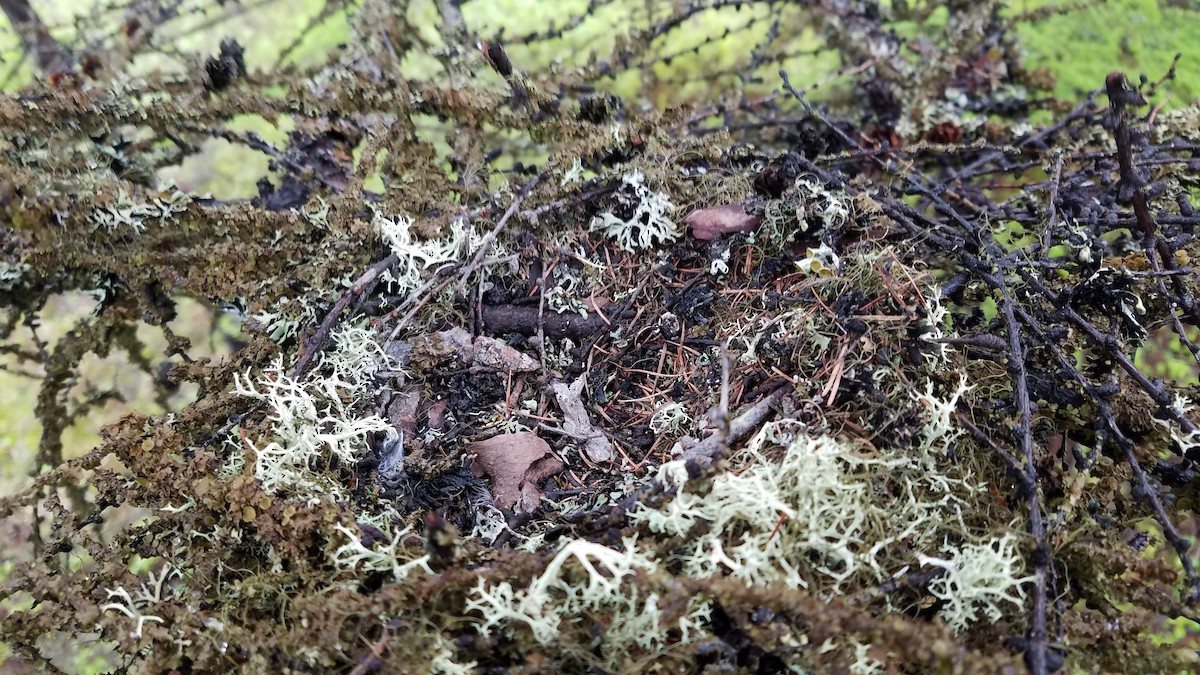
(362, 286)
(419, 297)
(35, 38)
(1052, 202)
(370, 662)
(1181, 546)
(1035, 651)
(486, 244)
(982, 436)
(1110, 347)
(1121, 94)
(704, 452)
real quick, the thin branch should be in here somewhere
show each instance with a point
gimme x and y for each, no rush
(48, 55)
(361, 287)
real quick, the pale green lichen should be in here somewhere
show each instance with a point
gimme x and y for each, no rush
(318, 215)
(940, 431)
(443, 663)
(806, 198)
(831, 206)
(308, 419)
(417, 256)
(670, 417)
(283, 321)
(389, 556)
(864, 663)
(574, 174)
(650, 223)
(11, 275)
(134, 606)
(489, 523)
(978, 578)
(314, 416)
(1186, 441)
(125, 212)
(554, 596)
(812, 514)
(820, 261)
(357, 357)
(567, 293)
(933, 324)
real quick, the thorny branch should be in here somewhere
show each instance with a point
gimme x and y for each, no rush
(1120, 94)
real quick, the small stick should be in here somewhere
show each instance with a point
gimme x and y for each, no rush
(490, 237)
(363, 286)
(704, 452)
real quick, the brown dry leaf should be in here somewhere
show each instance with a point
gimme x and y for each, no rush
(708, 223)
(531, 491)
(402, 410)
(506, 459)
(437, 414)
(595, 304)
(485, 351)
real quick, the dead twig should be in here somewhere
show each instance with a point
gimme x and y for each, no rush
(361, 287)
(485, 245)
(740, 428)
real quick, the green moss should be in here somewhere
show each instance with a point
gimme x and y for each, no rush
(1164, 356)
(1137, 36)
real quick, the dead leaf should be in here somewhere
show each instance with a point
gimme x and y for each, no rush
(708, 223)
(402, 410)
(506, 460)
(485, 351)
(595, 304)
(437, 414)
(531, 491)
(577, 424)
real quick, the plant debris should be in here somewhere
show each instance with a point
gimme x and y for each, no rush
(707, 224)
(917, 395)
(577, 423)
(514, 463)
(484, 351)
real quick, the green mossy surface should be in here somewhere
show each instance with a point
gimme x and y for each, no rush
(1138, 36)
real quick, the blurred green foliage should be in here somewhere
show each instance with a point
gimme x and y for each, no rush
(1138, 36)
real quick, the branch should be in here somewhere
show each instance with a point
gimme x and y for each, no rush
(1121, 94)
(363, 286)
(47, 53)
(1035, 652)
